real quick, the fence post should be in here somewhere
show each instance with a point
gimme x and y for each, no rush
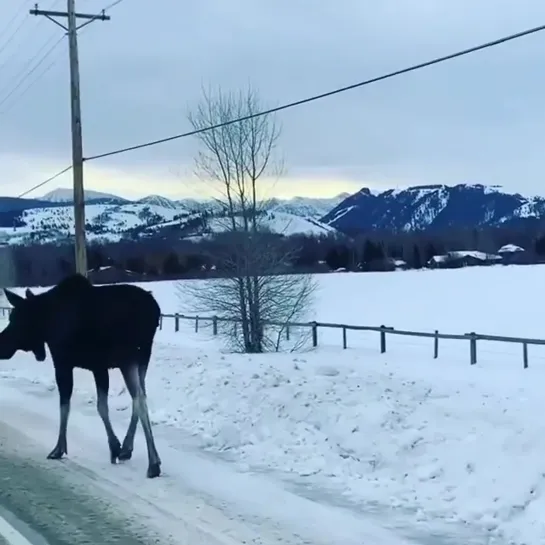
(525, 354)
(382, 339)
(314, 334)
(196, 324)
(436, 345)
(287, 332)
(161, 322)
(215, 325)
(473, 348)
(344, 337)
(176, 322)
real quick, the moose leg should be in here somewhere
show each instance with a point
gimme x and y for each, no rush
(64, 377)
(102, 381)
(128, 442)
(140, 407)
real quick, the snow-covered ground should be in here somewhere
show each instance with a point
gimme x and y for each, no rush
(341, 446)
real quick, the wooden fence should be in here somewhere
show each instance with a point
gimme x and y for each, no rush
(383, 331)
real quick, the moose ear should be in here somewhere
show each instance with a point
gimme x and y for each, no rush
(29, 294)
(13, 298)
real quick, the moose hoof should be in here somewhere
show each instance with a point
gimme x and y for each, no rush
(56, 454)
(154, 470)
(115, 450)
(125, 455)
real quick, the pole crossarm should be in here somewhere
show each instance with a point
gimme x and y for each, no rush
(89, 17)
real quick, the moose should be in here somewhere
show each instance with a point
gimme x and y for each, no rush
(97, 328)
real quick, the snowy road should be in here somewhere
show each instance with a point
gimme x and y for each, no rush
(199, 500)
(44, 508)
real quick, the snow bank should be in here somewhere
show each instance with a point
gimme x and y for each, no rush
(446, 441)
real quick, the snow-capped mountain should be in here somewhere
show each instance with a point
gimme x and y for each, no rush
(157, 200)
(432, 207)
(110, 218)
(65, 195)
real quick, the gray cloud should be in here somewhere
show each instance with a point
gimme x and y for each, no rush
(479, 118)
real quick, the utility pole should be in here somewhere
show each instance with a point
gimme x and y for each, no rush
(75, 103)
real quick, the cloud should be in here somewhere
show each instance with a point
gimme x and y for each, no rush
(479, 118)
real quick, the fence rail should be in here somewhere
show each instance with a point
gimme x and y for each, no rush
(383, 330)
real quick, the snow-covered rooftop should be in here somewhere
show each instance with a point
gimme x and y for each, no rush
(510, 248)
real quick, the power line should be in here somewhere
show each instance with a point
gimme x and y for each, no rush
(339, 90)
(15, 32)
(113, 4)
(41, 184)
(30, 85)
(100, 15)
(26, 75)
(324, 95)
(12, 35)
(41, 74)
(11, 21)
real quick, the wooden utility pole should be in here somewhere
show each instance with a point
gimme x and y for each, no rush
(75, 103)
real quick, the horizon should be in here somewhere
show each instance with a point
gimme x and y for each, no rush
(343, 194)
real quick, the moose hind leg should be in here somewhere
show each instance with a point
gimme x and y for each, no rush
(64, 377)
(102, 381)
(128, 442)
(140, 406)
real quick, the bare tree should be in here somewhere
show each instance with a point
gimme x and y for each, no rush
(256, 299)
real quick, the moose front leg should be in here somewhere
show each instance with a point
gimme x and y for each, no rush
(64, 377)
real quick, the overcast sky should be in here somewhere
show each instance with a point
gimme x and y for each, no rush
(478, 119)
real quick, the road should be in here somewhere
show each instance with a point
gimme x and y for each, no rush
(40, 505)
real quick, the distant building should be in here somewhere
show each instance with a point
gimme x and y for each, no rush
(463, 258)
(512, 254)
(385, 264)
(112, 275)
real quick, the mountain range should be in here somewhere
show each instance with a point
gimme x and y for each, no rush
(110, 218)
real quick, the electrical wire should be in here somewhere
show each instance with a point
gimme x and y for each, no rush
(102, 12)
(30, 85)
(69, 167)
(113, 4)
(41, 184)
(32, 70)
(339, 90)
(14, 33)
(12, 20)
(323, 95)
(44, 72)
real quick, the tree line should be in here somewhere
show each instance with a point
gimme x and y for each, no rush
(171, 258)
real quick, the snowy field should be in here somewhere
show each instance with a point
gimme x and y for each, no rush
(333, 446)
